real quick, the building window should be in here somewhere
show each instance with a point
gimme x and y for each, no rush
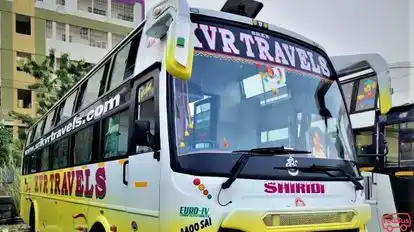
(49, 29)
(116, 39)
(23, 24)
(123, 11)
(84, 33)
(79, 35)
(86, 36)
(60, 2)
(99, 7)
(21, 57)
(99, 39)
(94, 6)
(24, 98)
(60, 31)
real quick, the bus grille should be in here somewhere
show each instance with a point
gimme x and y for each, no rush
(307, 218)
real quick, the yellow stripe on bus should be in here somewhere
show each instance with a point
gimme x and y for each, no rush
(367, 169)
(141, 184)
(404, 173)
(122, 161)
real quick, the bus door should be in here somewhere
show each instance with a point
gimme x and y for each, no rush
(365, 82)
(141, 171)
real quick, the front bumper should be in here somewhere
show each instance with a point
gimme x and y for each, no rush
(322, 219)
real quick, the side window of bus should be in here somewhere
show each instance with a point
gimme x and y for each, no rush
(26, 161)
(44, 159)
(124, 62)
(39, 130)
(60, 151)
(83, 145)
(58, 114)
(68, 107)
(28, 137)
(32, 133)
(115, 132)
(146, 108)
(33, 163)
(49, 121)
(92, 88)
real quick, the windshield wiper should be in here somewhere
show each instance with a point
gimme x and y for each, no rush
(326, 170)
(246, 154)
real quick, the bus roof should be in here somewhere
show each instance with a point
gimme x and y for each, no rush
(199, 11)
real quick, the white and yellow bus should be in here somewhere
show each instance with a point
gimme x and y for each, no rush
(198, 120)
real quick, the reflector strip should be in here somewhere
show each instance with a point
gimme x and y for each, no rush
(367, 169)
(404, 173)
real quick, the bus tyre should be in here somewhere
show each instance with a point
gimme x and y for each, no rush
(404, 227)
(32, 221)
(97, 228)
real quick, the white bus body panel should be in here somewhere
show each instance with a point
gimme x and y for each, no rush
(382, 200)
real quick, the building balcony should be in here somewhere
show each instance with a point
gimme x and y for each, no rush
(127, 13)
(76, 51)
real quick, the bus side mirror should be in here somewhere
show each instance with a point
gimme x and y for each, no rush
(172, 18)
(142, 134)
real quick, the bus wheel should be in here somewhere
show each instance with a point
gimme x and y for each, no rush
(97, 228)
(32, 221)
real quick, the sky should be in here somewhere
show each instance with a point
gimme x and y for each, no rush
(343, 27)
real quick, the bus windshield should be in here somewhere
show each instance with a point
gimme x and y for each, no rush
(266, 93)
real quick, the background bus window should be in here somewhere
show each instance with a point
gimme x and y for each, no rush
(32, 133)
(91, 91)
(44, 159)
(124, 62)
(116, 135)
(363, 138)
(33, 163)
(39, 130)
(28, 137)
(348, 89)
(391, 135)
(406, 139)
(26, 161)
(59, 111)
(67, 109)
(49, 121)
(60, 154)
(367, 92)
(83, 145)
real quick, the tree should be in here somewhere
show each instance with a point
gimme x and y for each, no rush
(6, 139)
(52, 83)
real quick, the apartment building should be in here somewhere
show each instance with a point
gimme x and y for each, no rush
(30, 28)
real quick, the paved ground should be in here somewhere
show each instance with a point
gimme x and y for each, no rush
(14, 228)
